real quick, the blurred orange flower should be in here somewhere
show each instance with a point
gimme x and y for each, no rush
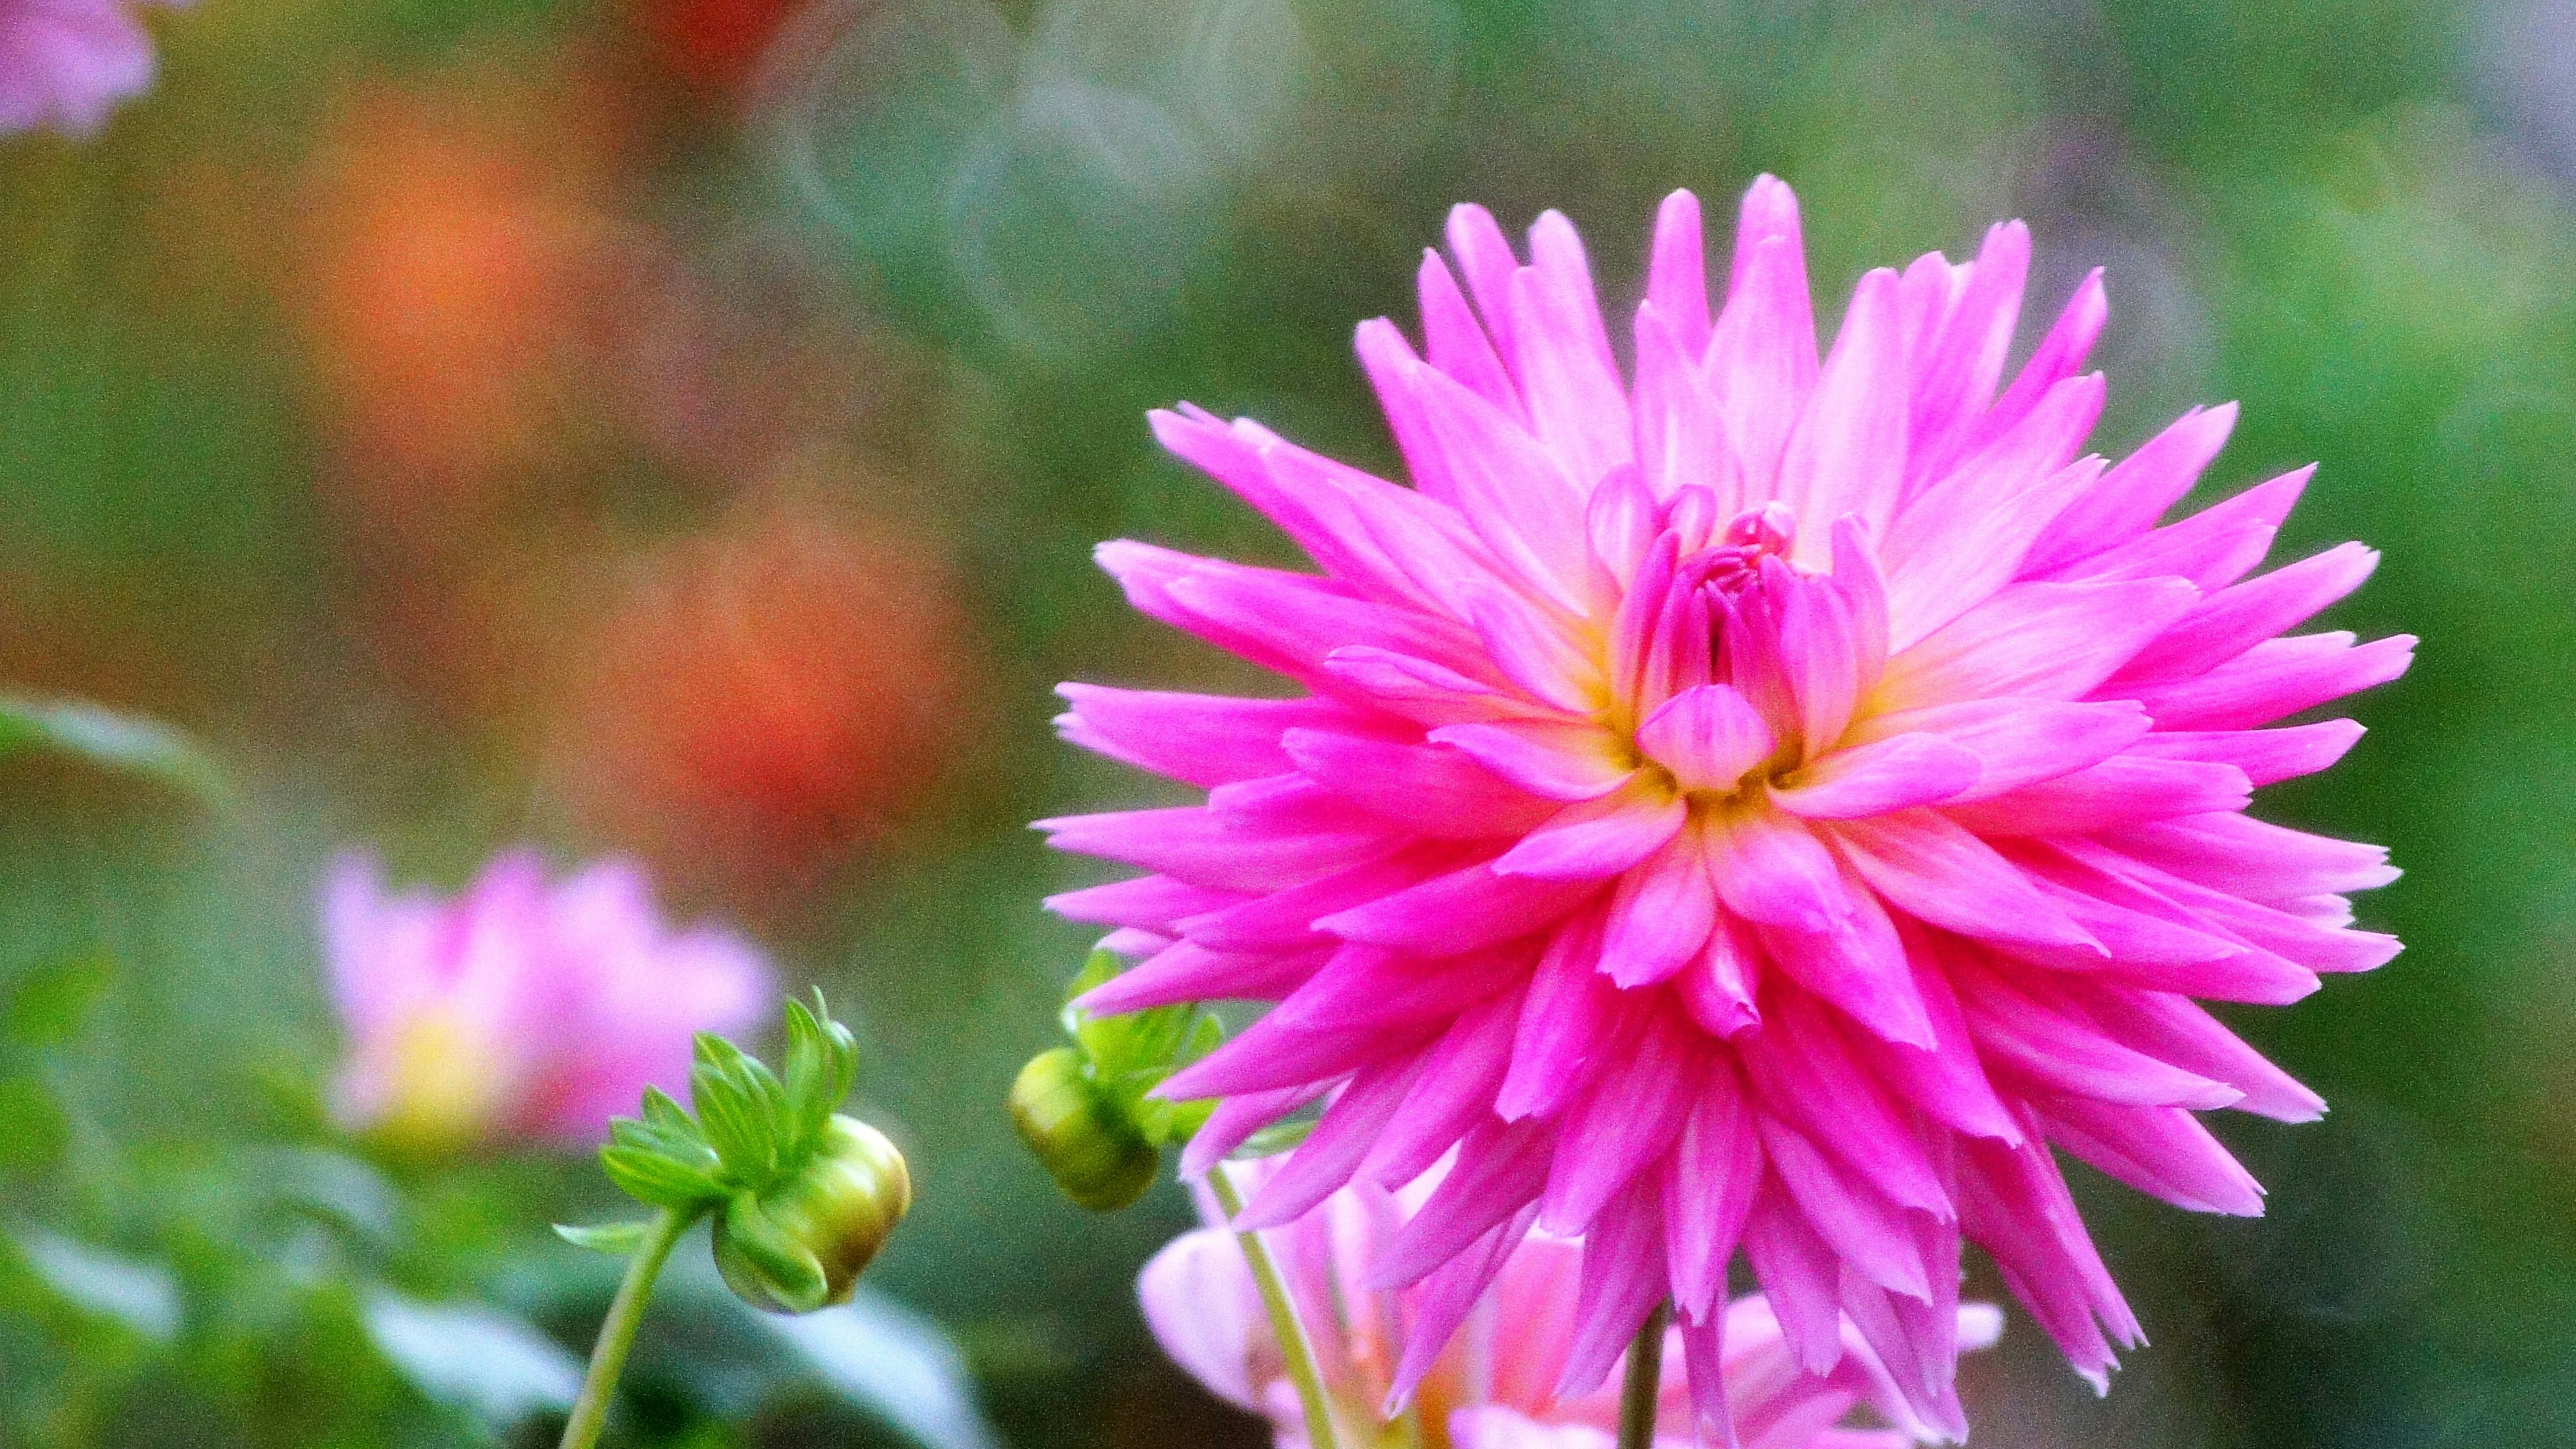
(765, 697)
(458, 248)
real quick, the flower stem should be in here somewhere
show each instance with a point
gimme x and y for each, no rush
(1283, 1318)
(1643, 1388)
(617, 1334)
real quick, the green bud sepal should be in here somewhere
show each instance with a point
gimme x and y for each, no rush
(1087, 1109)
(803, 1197)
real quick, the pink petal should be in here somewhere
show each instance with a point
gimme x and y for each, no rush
(2122, 790)
(1285, 920)
(1333, 1151)
(1681, 426)
(2054, 1048)
(1562, 761)
(1716, 1167)
(1848, 453)
(1624, 1277)
(1456, 1090)
(1942, 874)
(1187, 972)
(1761, 361)
(2266, 756)
(2048, 641)
(1514, 492)
(1567, 1025)
(1874, 779)
(1865, 1230)
(2161, 1151)
(1203, 847)
(1500, 1168)
(1436, 790)
(1660, 916)
(1769, 867)
(2176, 1030)
(2018, 741)
(1804, 1069)
(1198, 739)
(1201, 1304)
(1707, 737)
(1419, 690)
(1485, 256)
(1718, 989)
(1677, 271)
(2129, 498)
(1536, 652)
(2247, 857)
(1859, 967)
(2235, 619)
(1964, 364)
(1625, 1123)
(1454, 341)
(2060, 355)
(1567, 374)
(1800, 1275)
(2276, 678)
(1965, 537)
(1461, 911)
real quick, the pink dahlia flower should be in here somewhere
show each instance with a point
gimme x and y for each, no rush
(520, 1009)
(1494, 1386)
(1741, 800)
(67, 63)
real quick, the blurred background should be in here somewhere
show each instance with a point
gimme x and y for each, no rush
(678, 428)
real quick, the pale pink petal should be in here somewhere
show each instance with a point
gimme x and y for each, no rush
(1897, 773)
(1707, 737)
(1205, 1311)
(1848, 453)
(1562, 761)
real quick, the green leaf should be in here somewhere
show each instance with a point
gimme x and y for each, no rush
(51, 1003)
(142, 1296)
(490, 1363)
(616, 1239)
(33, 1130)
(649, 1176)
(884, 1358)
(117, 741)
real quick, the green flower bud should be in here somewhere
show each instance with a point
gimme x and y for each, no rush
(1092, 1150)
(801, 1244)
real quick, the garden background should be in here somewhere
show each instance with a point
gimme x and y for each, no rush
(679, 427)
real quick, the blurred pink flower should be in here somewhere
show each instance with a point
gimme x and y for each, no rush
(1494, 1387)
(1750, 801)
(67, 63)
(520, 1009)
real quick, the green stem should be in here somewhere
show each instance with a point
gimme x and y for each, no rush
(1643, 1389)
(617, 1335)
(1283, 1319)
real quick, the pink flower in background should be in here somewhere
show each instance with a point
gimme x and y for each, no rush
(67, 63)
(521, 1009)
(1494, 1386)
(1747, 800)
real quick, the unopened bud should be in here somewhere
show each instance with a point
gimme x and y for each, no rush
(802, 1244)
(1091, 1149)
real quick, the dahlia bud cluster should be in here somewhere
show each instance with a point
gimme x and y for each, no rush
(1084, 1108)
(802, 1196)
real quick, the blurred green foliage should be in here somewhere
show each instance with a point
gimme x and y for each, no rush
(1035, 221)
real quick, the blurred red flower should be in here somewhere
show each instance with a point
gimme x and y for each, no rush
(765, 697)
